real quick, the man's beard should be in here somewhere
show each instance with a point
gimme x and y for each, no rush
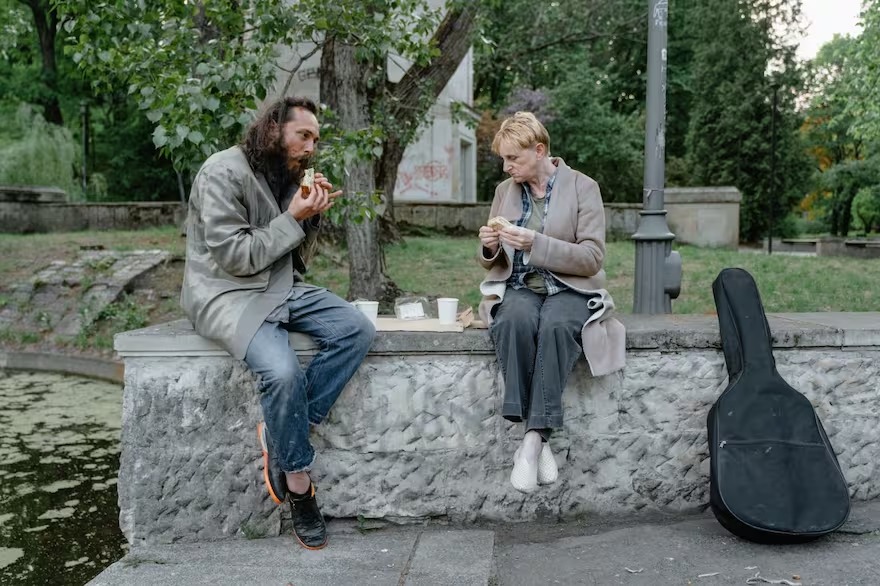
(298, 165)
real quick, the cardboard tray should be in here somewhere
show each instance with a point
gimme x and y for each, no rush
(392, 324)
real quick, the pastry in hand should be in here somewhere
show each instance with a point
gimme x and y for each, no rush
(499, 223)
(308, 181)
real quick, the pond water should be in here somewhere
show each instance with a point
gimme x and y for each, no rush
(59, 456)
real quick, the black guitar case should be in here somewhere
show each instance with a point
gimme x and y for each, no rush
(774, 477)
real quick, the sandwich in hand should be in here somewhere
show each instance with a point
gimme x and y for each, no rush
(308, 181)
(499, 223)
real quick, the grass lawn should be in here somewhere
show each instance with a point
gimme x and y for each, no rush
(446, 266)
(436, 266)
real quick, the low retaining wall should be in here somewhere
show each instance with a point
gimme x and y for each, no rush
(26, 210)
(829, 246)
(702, 216)
(87, 366)
(417, 432)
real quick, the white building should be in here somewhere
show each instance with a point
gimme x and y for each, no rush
(441, 165)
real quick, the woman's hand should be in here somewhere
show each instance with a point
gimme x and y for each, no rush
(489, 238)
(518, 238)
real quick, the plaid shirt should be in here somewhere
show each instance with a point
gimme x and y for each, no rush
(520, 268)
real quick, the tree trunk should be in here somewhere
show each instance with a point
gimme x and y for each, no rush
(453, 39)
(386, 179)
(344, 90)
(46, 23)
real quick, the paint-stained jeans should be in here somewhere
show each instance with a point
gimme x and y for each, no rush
(292, 398)
(538, 341)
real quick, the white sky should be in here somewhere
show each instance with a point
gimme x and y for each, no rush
(824, 18)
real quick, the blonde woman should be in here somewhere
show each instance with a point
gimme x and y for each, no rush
(543, 248)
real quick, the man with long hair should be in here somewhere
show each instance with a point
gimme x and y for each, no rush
(251, 228)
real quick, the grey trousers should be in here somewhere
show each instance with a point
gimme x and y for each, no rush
(538, 341)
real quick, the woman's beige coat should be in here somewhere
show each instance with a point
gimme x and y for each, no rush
(572, 248)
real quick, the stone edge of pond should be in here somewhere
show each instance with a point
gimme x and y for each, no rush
(87, 366)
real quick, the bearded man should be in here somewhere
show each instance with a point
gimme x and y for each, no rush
(251, 228)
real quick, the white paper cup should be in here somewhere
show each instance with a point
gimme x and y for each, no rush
(447, 310)
(368, 308)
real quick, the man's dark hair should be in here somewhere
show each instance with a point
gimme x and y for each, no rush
(261, 145)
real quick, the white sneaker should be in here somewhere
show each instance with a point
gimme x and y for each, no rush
(524, 476)
(548, 472)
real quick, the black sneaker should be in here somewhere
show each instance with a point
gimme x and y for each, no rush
(308, 522)
(273, 475)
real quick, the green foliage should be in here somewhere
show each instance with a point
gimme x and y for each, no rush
(838, 132)
(866, 209)
(252, 531)
(123, 164)
(827, 130)
(195, 70)
(122, 161)
(120, 316)
(729, 140)
(787, 227)
(573, 78)
(592, 137)
(510, 55)
(44, 155)
(805, 226)
(844, 181)
(863, 82)
(339, 150)
(16, 25)
(199, 71)
(14, 336)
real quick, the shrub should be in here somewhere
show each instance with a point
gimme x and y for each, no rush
(46, 155)
(866, 209)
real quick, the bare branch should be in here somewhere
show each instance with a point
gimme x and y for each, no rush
(453, 38)
(302, 59)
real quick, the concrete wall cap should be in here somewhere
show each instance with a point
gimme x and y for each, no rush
(402, 205)
(651, 333)
(31, 194)
(702, 195)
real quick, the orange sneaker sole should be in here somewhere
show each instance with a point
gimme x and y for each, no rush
(309, 547)
(272, 494)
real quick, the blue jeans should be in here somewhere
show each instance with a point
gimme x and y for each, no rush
(293, 398)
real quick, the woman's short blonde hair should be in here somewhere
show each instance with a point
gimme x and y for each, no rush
(523, 130)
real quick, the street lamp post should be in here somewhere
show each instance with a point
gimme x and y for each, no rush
(84, 172)
(771, 200)
(658, 268)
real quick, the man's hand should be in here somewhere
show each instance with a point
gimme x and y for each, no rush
(518, 238)
(319, 200)
(321, 180)
(489, 238)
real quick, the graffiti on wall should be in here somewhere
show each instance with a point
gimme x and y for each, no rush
(426, 180)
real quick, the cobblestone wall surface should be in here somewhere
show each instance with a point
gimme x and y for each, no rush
(420, 436)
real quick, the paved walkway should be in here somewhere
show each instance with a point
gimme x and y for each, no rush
(641, 551)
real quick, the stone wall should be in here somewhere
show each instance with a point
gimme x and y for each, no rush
(621, 219)
(417, 432)
(26, 210)
(702, 216)
(828, 246)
